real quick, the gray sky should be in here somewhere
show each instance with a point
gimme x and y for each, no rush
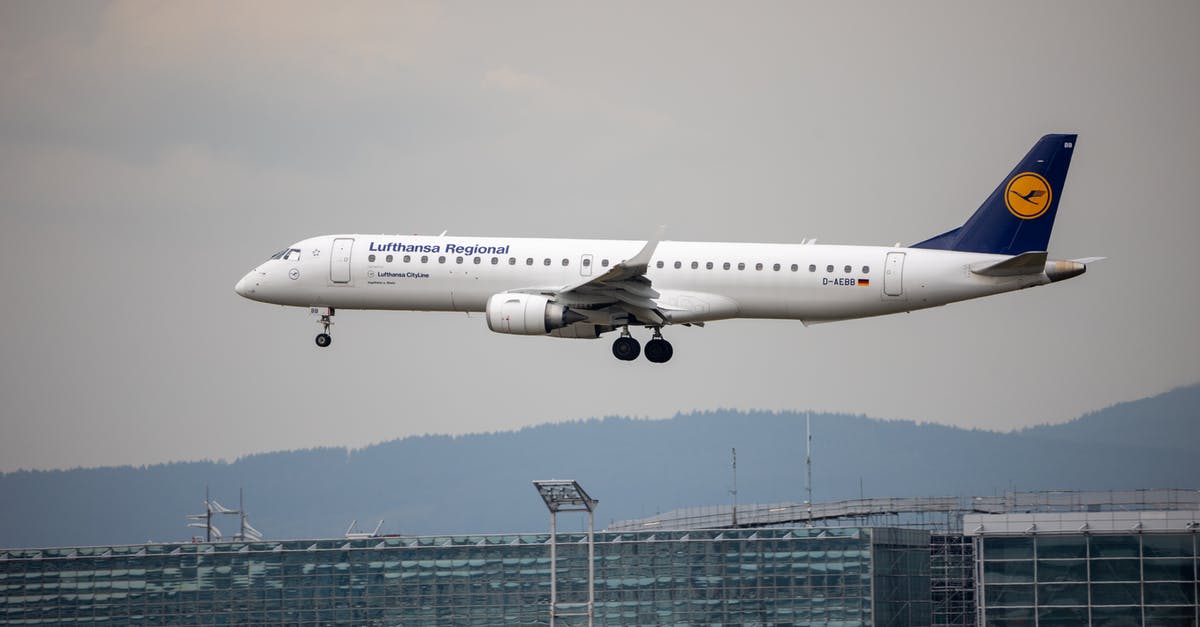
(152, 153)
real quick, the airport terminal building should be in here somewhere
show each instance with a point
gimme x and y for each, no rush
(1079, 568)
(827, 576)
(1042, 558)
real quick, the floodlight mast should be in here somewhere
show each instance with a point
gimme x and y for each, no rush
(566, 495)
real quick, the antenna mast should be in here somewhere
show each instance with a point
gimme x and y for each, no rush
(808, 463)
(733, 492)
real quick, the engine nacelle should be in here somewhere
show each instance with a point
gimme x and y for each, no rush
(528, 314)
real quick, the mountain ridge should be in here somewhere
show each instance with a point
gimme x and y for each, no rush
(637, 467)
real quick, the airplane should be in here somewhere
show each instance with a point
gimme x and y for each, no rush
(585, 288)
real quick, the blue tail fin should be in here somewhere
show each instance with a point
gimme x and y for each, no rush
(1019, 215)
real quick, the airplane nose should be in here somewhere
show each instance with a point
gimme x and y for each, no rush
(245, 287)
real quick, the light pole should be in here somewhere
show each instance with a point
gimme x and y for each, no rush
(565, 495)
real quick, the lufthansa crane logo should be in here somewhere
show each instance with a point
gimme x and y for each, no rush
(1028, 195)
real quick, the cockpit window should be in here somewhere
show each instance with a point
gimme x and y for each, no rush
(293, 254)
(280, 254)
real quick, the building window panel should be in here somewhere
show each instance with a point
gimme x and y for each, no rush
(1061, 570)
(1116, 594)
(1008, 595)
(1005, 548)
(1061, 547)
(1008, 572)
(1170, 545)
(1005, 616)
(1116, 570)
(1115, 546)
(1169, 616)
(1169, 569)
(1062, 594)
(1171, 593)
(1071, 616)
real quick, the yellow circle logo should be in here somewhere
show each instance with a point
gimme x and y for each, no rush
(1027, 195)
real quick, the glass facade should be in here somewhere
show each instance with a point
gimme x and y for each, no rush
(827, 576)
(1114, 580)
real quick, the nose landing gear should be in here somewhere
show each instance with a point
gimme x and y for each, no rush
(326, 321)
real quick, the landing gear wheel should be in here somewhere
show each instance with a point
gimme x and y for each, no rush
(326, 321)
(659, 351)
(626, 348)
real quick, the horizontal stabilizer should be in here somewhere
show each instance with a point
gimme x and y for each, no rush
(1024, 263)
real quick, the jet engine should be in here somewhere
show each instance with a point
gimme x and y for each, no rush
(528, 314)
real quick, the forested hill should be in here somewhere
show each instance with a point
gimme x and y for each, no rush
(481, 483)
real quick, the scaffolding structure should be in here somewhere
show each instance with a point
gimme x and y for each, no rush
(933, 513)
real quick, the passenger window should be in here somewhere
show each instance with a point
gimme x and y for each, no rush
(604, 262)
(495, 260)
(424, 258)
(741, 266)
(812, 267)
(847, 268)
(695, 265)
(566, 262)
(866, 269)
(758, 266)
(407, 258)
(458, 260)
(512, 261)
(657, 265)
(587, 263)
(726, 265)
(829, 268)
(371, 258)
(546, 262)
(776, 267)
(795, 267)
(678, 265)
(477, 260)
(529, 261)
(708, 266)
(442, 259)
(389, 258)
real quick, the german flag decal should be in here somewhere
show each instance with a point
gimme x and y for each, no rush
(864, 282)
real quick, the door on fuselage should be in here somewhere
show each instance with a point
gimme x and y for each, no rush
(339, 261)
(893, 275)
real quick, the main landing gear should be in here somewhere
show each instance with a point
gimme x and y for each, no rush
(326, 321)
(627, 348)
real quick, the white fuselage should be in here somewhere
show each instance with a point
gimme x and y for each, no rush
(695, 281)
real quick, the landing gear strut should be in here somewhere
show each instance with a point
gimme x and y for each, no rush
(658, 350)
(626, 348)
(326, 321)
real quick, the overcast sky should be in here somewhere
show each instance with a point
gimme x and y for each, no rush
(152, 153)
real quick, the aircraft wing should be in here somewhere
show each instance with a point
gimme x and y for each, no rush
(623, 286)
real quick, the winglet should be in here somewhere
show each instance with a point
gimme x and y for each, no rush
(641, 260)
(635, 266)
